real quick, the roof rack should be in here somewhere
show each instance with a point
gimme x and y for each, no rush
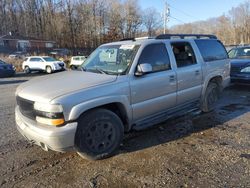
(124, 39)
(143, 38)
(183, 36)
(138, 38)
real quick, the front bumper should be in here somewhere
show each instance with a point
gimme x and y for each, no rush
(7, 73)
(55, 138)
(240, 78)
(58, 67)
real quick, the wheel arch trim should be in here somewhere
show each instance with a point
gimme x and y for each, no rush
(210, 78)
(79, 109)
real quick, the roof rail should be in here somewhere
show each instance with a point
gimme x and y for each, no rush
(124, 39)
(143, 38)
(138, 38)
(183, 36)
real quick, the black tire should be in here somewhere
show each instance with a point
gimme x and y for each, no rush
(73, 67)
(99, 134)
(48, 69)
(211, 97)
(27, 69)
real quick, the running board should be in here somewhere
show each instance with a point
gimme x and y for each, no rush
(159, 118)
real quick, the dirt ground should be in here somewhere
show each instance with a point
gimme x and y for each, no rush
(196, 150)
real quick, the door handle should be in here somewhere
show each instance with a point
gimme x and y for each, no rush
(197, 72)
(171, 78)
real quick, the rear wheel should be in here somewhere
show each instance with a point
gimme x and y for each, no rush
(73, 67)
(48, 69)
(27, 69)
(211, 97)
(99, 134)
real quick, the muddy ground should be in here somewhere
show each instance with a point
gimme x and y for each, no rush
(197, 150)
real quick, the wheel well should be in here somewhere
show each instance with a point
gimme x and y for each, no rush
(116, 108)
(217, 80)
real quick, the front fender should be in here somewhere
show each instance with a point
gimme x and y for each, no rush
(77, 110)
(49, 64)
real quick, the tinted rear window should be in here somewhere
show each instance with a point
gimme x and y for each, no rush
(211, 50)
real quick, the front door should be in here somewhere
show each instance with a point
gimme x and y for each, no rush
(156, 91)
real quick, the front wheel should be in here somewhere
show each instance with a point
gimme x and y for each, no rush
(49, 69)
(99, 134)
(211, 97)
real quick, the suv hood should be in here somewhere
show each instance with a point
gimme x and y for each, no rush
(46, 88)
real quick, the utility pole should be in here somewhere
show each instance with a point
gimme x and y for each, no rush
(166, 14)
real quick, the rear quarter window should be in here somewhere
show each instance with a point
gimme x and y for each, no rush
(211, 50)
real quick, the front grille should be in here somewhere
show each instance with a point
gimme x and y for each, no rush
(26, 107)
(235, 69)
(61, 65)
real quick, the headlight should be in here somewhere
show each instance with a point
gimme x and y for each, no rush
(48, 107)
(246, 69)
(56, 65)
(50, 114)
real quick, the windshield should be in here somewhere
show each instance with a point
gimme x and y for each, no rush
(112, 59)
(49, 59)
(239, 53)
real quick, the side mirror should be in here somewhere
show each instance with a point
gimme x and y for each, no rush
(143, 69)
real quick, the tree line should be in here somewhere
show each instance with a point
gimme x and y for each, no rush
(89, 23)
(231, 28)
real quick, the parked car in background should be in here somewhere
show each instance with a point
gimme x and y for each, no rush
(18, 55)
(124, 85)
(6, 70)
(42, 63)
(76, 61)
(240, 65)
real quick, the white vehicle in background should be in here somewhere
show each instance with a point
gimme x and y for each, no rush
(76, 61)
(42, 63)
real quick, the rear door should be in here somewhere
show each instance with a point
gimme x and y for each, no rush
(32, 62)
(189, 72)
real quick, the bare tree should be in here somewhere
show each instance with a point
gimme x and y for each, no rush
(151, 20)
(88, 23)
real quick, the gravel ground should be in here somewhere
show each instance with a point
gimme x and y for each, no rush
(196, 150)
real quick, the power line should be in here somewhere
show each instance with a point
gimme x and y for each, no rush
(183, 12)
(177, 19)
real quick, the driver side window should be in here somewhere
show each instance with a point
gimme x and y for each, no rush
(157, 56)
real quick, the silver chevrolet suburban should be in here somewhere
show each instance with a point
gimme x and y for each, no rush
(131, 84)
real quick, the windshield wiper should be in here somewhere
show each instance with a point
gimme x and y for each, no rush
(96, 70)
(101, 71)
